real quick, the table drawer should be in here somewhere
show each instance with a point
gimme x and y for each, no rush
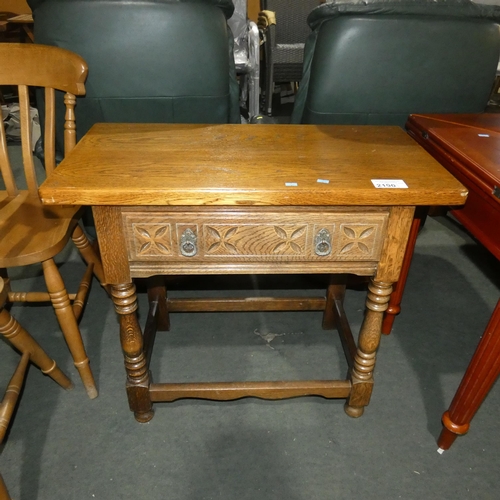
(254, 235)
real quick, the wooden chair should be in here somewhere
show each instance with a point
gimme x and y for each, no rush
(31, 233)
(4, 494)
(30, 351)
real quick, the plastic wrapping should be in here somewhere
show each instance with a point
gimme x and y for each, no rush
(238, 24)
(11, 117)
(246, 56)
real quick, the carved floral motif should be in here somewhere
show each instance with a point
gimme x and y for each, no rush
(152, 239)
(357, 239)
(236, 240)
(289, 241)
(221, 238)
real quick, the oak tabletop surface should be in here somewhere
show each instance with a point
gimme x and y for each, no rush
(270, 165)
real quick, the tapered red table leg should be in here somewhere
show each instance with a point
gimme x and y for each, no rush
(368, 342)
(481, 374)
(394, 307)
(136, 365)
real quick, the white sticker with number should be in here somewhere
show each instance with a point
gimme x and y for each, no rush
(389, 184)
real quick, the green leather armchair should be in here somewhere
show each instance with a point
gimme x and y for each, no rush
(149, 60)
(375, 61)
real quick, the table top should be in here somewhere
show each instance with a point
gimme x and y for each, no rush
(469, 147)
(270, 165)
(472, 139)
(486, 121)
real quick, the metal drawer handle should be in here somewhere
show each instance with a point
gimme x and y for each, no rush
(323, 243)
(188, 243)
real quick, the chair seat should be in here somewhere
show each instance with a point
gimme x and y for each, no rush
(31, 232)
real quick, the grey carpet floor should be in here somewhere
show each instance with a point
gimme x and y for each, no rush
(63, 446)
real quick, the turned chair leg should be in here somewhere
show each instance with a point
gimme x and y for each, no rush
(31, 350)
(25, 343)
(69, 326)
(90, 256)
(12, 393)
(19, 338)
(4, 494)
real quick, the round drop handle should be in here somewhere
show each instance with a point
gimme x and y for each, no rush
(188, 244)
(323, 243)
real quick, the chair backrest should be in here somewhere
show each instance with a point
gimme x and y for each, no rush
(291, 19)
(27, 65)
(379, 61)
(149, 60)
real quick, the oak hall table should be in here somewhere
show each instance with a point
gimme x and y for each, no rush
(469, 147)
(245, 199)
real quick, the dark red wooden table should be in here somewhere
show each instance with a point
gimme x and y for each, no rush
(469, 147)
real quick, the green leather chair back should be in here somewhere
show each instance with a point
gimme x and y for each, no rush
(375, 62)
(149, 60)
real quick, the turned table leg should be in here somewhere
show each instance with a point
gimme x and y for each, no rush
(481, 374)
(369, 339)
(136, 365)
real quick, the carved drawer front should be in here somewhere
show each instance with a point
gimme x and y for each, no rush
(233, 236)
